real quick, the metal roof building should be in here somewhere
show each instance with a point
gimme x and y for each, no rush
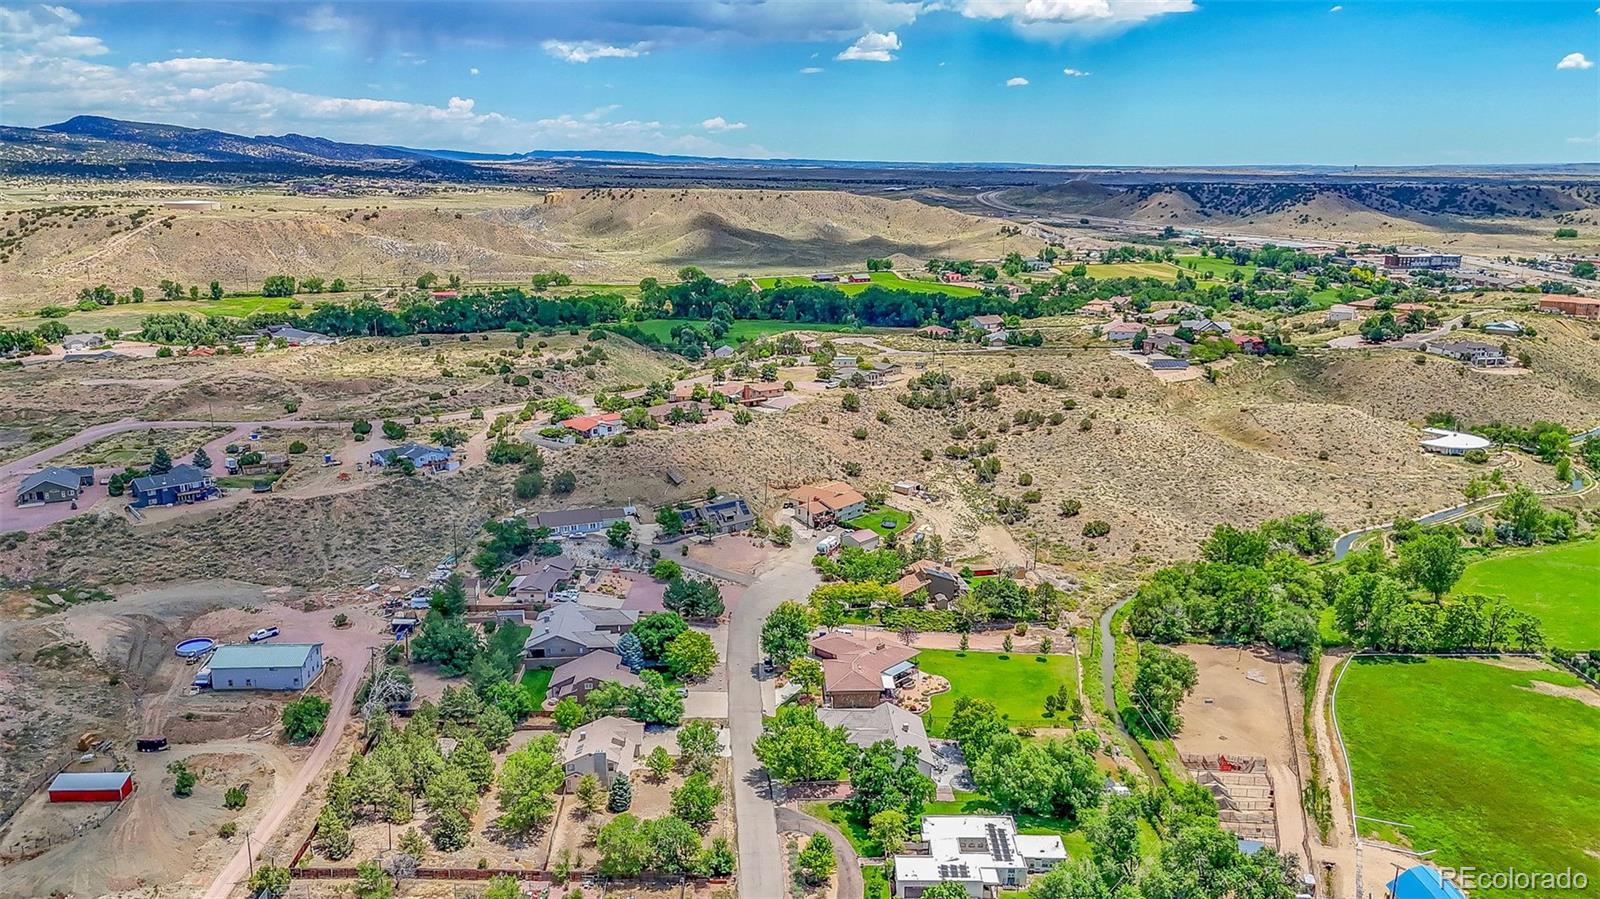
(265, 666)
(1423, 882)
(91, 786)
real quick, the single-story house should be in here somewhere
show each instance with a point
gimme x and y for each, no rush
(884, 722)
(295, 336)
(420, 455)
(682, 410)
(183, 484)
(859, 674)
(577, 677)
(1205, 326)
(938, 332)
(265, 666)
(1578, 307)
(1098, 307)
(1340, 312)
(580, 521)
(91, 786)
(1422, 882)
(1118, 331)
(569, 630)
(750, 394)
(1164, 343)
(77, 343)
(722, 352)
(602, 424)
(725, 514)
(983, 853)
(987, 322)
(862, 538)
(1469, 351)
(1452, 443)
(1248, 343)
(952, 277)
(605, 747)
(824, 276)
(55, 484)
(537, 580)
(822, 505)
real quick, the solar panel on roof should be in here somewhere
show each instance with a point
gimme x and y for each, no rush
(999, 843)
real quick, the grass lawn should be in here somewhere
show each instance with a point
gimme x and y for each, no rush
(838, 814)
(1480, 765)
(128, 316)
(1219, 268)
(1555, 583)
(536, 681)
(875, 883)
(1077, 843)
(1016, 683)
(884, 519)
(1163, 271)
(246, 481)
(889, 280)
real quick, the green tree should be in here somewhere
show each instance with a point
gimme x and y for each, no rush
(620, 796)
(160, 462)
(669, 520)
(216, 290)
(304, 717)
(693, 598)
(656, 631)
(674, 844)
(183, 780)
(529, 779)
(447, 642)
(699, 745)
(890, 829)
(503, 886)
(276, 286)
(785, 635)
(588, 793)
(659, 763)
(950, 889)
(885, 777)
(449, 598)
(1161, 680)
(372, 882)
(472, 758)
(690, 656)
(696, 800)
(273, 879)
(617, 535)
(200, 460)
(807, 673)
(796, 746)
(816, 861)
(1522, 512)
(1433, 562)
(624, 848)
(567, 714)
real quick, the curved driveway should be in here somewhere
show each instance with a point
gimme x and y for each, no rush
(851, 885)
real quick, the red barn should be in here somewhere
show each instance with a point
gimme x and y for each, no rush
(91, 786)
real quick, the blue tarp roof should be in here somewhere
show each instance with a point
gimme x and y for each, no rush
(1423, 882)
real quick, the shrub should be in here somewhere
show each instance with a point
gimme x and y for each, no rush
(297, 447)
(1096, 528)
(235, 798)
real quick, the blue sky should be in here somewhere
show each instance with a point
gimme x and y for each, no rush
(1132, 82)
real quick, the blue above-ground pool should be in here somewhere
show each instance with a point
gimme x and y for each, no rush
(195, 647)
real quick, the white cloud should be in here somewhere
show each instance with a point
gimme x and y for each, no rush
(1070, 72)
(874, 46)
(1591, 139)
(811, 70)
(47, 30)
(720, 124)
(473, 71)
(1337, 9)
(583, 51)
(1575, 61)
(1018, 81)
(1057, 19)
(207, 68)
(323, 18)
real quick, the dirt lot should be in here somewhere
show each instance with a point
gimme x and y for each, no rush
(651, 799)
(1230, 712)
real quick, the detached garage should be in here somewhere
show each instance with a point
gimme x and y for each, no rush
(91, 786)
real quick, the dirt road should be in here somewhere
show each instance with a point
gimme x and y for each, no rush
(91, 434)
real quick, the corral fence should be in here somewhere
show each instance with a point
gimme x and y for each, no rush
(348, 872)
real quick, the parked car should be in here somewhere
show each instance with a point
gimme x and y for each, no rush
(265, 633)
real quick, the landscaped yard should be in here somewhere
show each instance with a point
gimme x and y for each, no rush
(536, 681)
(1478, 762)
(1555, 583)
(884, 519)
(889, 280)
(1016, 683)
(1218, 268)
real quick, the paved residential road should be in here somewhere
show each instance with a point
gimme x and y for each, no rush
(848, 867)
(91, 434)
(789, 576)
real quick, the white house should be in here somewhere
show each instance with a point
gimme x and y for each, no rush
(1452, 443)
(983, 853)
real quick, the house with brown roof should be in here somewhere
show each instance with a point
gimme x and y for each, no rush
(937, 332)
(826, 504)
(602, 424)
(1098, 307)
(676, 412)
(537, 580)
(942, 585)
(1248, 343)
(1118, 331)
(583, 674)
(861, 673)
(989, 323)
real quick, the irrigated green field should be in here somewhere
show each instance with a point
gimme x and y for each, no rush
(1164, 271)
(127, 316)
(1480, 763)
(1218, 268)
(890, 280)
(1559, 584)
(1016, 683)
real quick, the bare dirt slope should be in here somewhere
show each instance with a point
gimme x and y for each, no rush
(595, 235)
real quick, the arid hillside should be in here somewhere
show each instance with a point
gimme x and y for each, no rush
(60, 243)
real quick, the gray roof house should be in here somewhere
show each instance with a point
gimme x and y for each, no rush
(420, 455)
(183, 484)
(605, 747)
(534, 580)
(53, 485)
(883, 722)
(74, 343)
(295, 336)
(1469, 351)
(726, 513)
(577, 677)
(580, 521)
(569, 630)
(1205, 326)
(1165, 343)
